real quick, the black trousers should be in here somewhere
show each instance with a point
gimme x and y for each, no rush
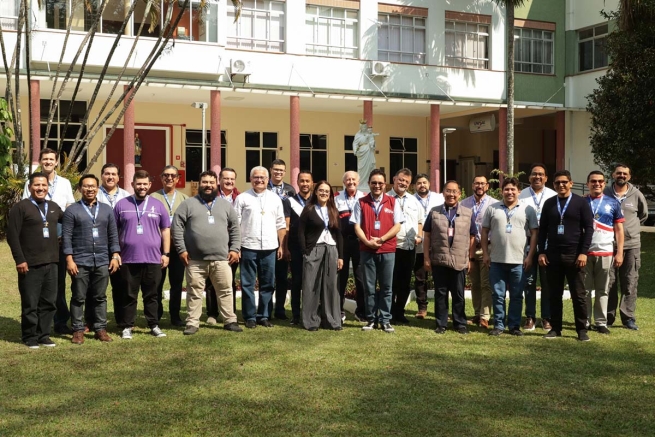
(175, 271)
(62, 315)
(296, 279)
(146, 277)
(89, 295)
(561, 267)
(118, 290)
(351, 253)
(281, 286)
(38, 293)
(420, 287)
(453, 281)
(212, 303)
(402, 277)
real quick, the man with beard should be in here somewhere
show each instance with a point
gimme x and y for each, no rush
(295, 253)
(635, 211)
(428, 200)
(143, 231)
(479, 272)
(207, 250)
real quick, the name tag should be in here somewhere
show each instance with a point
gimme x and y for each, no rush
(560, 230)
(46, 233)
(210, 219)
(139, 229)
(376, 226)
(171, 218)
(96, 234)
(508, 228)
(451, 232)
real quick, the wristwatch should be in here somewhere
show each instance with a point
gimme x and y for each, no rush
(115, 257)
(168, 254)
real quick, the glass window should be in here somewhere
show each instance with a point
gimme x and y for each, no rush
(467, 45)
(260, 27)
(58, 133)
(313, 155)
(534, 51)
(261, 148)
(401, 38)
(193, 152)
(351, 159)
(331, 31)
(591, 48)
(403, 153)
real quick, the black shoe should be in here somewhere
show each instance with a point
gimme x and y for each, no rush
(281, 317)
(47, 342)
(178, 322)
(234, 327)
(496, 332)
(440, 330)
(582, 335)
(552, 334)
(400, 319)
(338, 328)
(602, 330)
(369, 326)
(610, 319)
(462, 330)
(295, 321)
(630, 324)
(312, 329)
(516, 332)
(251, 324)
(32, 344)
(265, 323)
(63, 330)
(388, 328)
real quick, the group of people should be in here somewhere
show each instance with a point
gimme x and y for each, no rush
(133, 241)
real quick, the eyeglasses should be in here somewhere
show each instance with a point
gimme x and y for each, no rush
(556, 183)
(169, 176)
(597, 182)
(89, 187)
(538, 174)
(455, 192)
(258, 178)
(481, 184)
(377, 183)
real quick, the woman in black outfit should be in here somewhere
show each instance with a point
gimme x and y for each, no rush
(322, 246)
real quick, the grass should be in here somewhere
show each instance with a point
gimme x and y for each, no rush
(288, 382)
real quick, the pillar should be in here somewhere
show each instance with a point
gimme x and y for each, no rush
(128, 144)
(35, 122)
(215, 126)
(502, 139)
(294, 140)
(435, 148)
(368, 113)
(560, 123)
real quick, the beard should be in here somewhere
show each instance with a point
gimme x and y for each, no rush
(621, 182)
(208, 196)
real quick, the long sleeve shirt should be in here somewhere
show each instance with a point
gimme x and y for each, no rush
(260, 217)
(25, 233)
(78, 235)
(578, 222)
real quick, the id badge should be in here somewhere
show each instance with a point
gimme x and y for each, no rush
(538, 217)
(451, 232)
(560, 230)
(170, 217)
(95, 233)
(139, 229)
(210, 219)
(46, 233)
(508, 228)
(377, 226)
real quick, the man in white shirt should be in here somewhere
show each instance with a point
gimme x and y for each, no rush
(428, 200)
(409, 236)
(60, 192)
(263, 230)
(535, 196)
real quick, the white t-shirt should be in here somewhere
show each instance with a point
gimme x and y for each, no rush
(529, 197)
(413, 211)
(59, 191)
(433, 200)
(260, 217)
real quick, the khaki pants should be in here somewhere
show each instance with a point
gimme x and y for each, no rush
(220, 274)
(598, 279)
(480, 287)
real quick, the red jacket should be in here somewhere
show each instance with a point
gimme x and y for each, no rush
(367, 222)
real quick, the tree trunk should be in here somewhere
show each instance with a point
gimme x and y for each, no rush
(18, 122)
(510, 87)
(28, 68)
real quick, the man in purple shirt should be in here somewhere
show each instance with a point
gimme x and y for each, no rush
(143, 230)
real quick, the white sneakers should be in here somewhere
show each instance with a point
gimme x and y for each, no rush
(127, 334)
(157, 332)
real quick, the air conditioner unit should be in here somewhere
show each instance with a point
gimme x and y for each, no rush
(240, 67)
(380, 69)
(486, 123)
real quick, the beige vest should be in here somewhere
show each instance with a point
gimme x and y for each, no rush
(456, 256)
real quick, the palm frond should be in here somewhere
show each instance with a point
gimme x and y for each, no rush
(238, 6)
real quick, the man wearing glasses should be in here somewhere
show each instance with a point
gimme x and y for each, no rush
(171, 198)
(567, 224)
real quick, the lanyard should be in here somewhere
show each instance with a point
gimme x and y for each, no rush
(534, 199)
(110, 198)
(326, 219)
(209, 208)
(88, 211)
(145, 207)
(425, 204)
(402, 204)
(52, 188)
(562, 211)
(278, 190)
(262, 204)
(350, 204)
(300, 200)
(376, 209)
(477, 208)
(43, 216)
(509, 212)
(172, 203)
(447, 214)
(591, 204)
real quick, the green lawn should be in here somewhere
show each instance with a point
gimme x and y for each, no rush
(286, 381)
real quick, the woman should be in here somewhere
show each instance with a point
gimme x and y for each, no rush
(322, 246)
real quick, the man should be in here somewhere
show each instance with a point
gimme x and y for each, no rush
(295, 253)
(635, 211)
(505, 225)
(172, 199)
(60, 192)
(449, 233)
(428, 200)
(90, 243)
(409, 236)
(479, 272)
(284, 191)
(207, 237)
(377, 218)
(263, 230)
(110, 193)
(345, 202)
(32, 237)
(567, 225)
(608, 231)
(535, 195)
(143, 231)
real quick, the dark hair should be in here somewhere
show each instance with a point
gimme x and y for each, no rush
(333, 212)
(481, 176)
(404, 171)
(210, 173)
(377, 172)
(278, 162)
(562, 173)
(141, 174)
(452, 181)
(539, 164)
(168, 167)
(110, 165)
(620, 164)
(48, 151)
(220, 174)
(306, 172)
(595, 172)
(37, 174)
(422, 176)
(510, 181)
(88, 176)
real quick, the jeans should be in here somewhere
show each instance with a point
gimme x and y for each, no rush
(560, 267)
(296, 279)
(378, 268)
(351, 253)
(38, 292)
(175, 278)
(402, 276)
(257, 264)
(505, 277)
(530, 289)
(89, 288)
(445, 280)
(62, 314)
(146, 277)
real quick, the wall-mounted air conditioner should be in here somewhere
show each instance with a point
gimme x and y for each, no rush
(380, 69)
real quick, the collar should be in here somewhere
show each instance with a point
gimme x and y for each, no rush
(93, 202)
(482, 199)
(226, 194)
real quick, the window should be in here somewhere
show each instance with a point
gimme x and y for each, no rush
(591, 48)
(351, 159)
(57, 132)
(194, 152)
(9, 14)
(260, 27)
(313, 155)
(467, 44)
(403, 153)
(261, 148)
(331, 31)
(534, 51)
(401, 38)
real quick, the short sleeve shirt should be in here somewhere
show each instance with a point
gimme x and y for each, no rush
(152, 216)
(508, 229)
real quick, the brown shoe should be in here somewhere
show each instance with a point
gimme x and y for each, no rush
(78, 337)
(421, 314)
(529, 324)
(545, 323)
(102, 336)
(484, 323)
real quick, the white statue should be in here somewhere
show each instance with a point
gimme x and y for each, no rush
(364, 148)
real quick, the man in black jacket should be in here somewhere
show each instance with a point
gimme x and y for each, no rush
(565, 231)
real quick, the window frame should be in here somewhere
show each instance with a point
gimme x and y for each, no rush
(403, 153)
(234, 32)
(532, 64)
(58, 123)
(312, 48)
(260, 148)
(421, 56)
(5, 19)
(189, 176)
(348, 150)
(593, 39)
(463, 59)
(313, 150)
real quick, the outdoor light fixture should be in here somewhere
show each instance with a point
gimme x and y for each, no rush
(446, 131)
(203, 106)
